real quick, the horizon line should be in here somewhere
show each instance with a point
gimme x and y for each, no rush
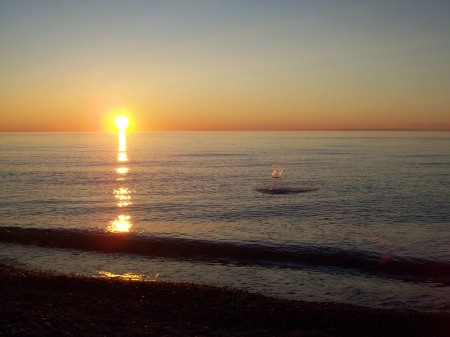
(238, 130)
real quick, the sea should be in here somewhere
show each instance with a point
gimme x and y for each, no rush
(351, 217)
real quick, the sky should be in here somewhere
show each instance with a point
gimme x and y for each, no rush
(225, 65)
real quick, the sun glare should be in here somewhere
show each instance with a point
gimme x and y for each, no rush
(121, 224)
(121, 122)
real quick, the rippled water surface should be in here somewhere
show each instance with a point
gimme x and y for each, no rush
(366, 209)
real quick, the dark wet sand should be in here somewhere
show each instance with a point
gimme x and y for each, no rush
(45, 304)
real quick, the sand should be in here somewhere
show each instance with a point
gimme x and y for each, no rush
(47, 304)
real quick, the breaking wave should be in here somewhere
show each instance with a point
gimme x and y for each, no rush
(290, 256)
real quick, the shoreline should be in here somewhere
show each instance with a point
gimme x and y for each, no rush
(50, 304)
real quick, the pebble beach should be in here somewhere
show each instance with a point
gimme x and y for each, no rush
(35, 303)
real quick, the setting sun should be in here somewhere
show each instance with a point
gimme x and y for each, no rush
(121, 122)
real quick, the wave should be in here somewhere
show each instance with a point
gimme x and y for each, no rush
(285, 190)
(291, 256)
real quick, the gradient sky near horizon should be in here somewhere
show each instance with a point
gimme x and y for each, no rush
(225, 65)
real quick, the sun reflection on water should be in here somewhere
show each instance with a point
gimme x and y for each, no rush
(123, 196)
(122, 156)
(122, 223)
(130, 276)
(122, 141)
(125, 276)
(122, 170)
(122, 150)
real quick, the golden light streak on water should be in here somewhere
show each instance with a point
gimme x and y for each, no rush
(123, 197)
(122, 170)
(121, 224)
(125, 276)
(122, 156)
(122, 191)
(122, 141)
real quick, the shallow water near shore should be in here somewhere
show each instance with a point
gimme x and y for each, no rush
(358, 217)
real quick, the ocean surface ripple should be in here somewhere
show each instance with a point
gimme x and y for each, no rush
(357, 217)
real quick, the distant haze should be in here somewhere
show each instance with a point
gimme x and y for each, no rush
(225, 65)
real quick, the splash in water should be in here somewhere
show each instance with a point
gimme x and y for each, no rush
(277, 172)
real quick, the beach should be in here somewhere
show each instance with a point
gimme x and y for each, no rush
(49, 304)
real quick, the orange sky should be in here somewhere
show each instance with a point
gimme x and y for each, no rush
(224, 66)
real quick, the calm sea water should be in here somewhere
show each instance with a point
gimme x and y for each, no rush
(358, 217)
